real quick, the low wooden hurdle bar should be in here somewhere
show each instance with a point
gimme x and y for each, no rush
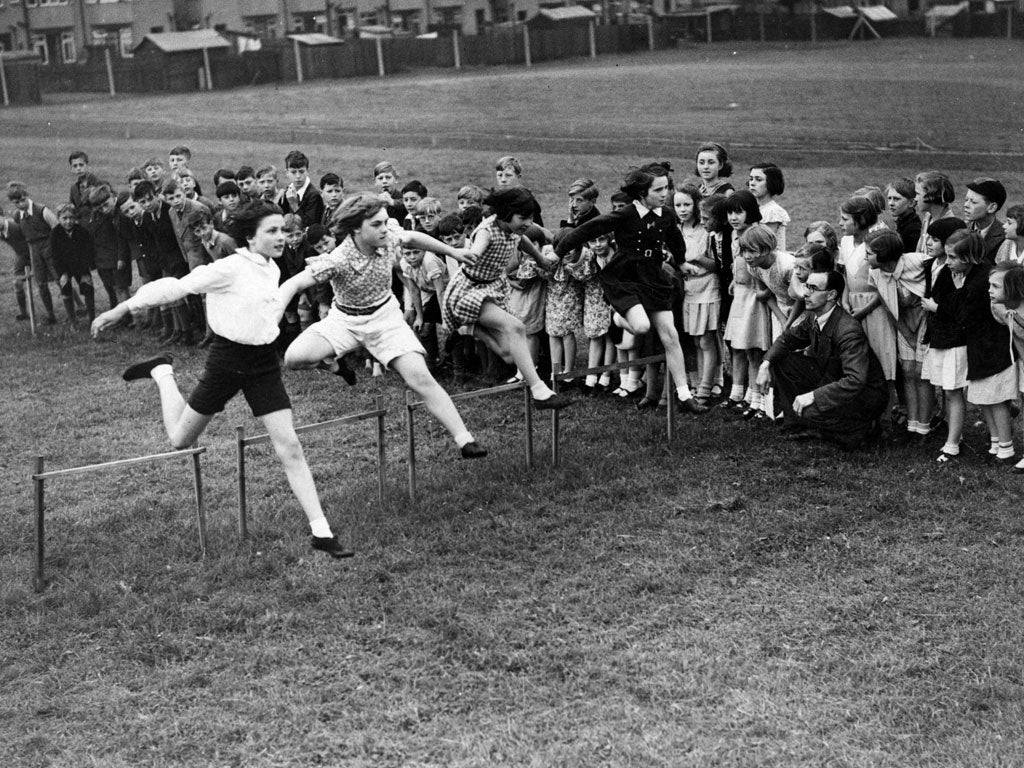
(242, 441)
(40, 476)
(413, 405)
(642, 361)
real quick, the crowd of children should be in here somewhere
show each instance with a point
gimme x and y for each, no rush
(682, 264)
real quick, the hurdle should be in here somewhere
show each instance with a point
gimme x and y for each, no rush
(413, 405)
(241, 442)
(670, 399)
(40, 476)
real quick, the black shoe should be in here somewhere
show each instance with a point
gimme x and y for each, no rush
(50, 320)
(331, 546)
(473, 450)
(344, 371)
(143, 369)
(21, 316)
(553, 403)
(690, 405)
(647, 403)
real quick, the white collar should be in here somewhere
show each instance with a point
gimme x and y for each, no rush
(822, 319)
(643, 210)
(255, 258)
(302, 190)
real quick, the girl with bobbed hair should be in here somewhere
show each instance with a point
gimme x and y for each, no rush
(478, 294)
(766, 183)
(638, 283)
(244, 311)
(365, 312)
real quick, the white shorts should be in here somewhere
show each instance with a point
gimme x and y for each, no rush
(384, 334)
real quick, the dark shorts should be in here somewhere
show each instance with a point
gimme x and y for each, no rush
(432, 310)
(231, 367)
(629, 282)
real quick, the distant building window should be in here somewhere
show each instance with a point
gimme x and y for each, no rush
(40, 47)
(264, 26)
(156, 30)
(126, 42)
(68, 50)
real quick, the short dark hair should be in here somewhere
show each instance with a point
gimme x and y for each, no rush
(223, 174)
(903, 187)
(471, 216)
(245, 172)
(886, 244)
(834, 281)
(198, 217)
(315, 233)
(639, 180)
(78, 155)
(247, 220)
(508, 202)
(450, 224)
(331, 178)
(296, 159)
(861, 210)
(415, 186)
(181, 150)
(143, 189)
(772, 176)
(743, 200)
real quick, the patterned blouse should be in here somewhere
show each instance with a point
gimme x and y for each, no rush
(359, 281)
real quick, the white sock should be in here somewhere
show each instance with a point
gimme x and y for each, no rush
(541, 391)
(605, 380)
(749, 395)
(320, 528)
(159, 371)
(683, 392)
(736, 392)
(463, 438)
(1005, 450)
(757, 401)
(993, 446)
(592, 380)
(953, 449)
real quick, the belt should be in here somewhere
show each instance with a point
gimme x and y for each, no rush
(359, 311)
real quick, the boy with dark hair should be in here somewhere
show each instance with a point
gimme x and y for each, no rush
(180, 207)
(160, 239)
(222, 175)
(300, 196)
(74, 256)
(246, 180)
(112, 261)
(984, 198)
(79, 162)
(216, 245)
(332, 190)
(36, 222)
(229, 196)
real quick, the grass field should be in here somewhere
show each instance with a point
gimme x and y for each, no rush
(721, 601)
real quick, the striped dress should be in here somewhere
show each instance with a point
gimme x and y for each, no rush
(486, 279)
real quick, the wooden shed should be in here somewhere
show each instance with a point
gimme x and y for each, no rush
(562, 17)
(184, 56)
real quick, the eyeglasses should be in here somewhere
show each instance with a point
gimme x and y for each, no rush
(815, 289)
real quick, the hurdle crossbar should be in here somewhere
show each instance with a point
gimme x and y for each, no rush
(40, 476)
(241, 442)
(670, 417)
(413, 405)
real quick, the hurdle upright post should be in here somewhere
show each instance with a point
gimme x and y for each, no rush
(379, 402)
(243, 528)
(3, 83)
(554, 426)
(29, 301)
(197, 479)
(39, 579)
(670, 405)
(528, 412)
(410, 425)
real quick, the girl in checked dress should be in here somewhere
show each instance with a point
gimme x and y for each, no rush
(478, 294)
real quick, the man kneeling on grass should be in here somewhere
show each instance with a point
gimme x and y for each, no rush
(243, 311)
(828, 381)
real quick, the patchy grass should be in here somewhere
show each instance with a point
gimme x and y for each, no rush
(727, 600)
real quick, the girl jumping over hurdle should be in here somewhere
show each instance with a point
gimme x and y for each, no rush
(365, 312)
(636, 283)
(243, 310)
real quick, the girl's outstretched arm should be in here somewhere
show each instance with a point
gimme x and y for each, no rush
(293, 285)
(548, 261)
(425, 242)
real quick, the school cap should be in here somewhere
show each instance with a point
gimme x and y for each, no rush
(228, 188)
(990, 189)
(943, 228)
